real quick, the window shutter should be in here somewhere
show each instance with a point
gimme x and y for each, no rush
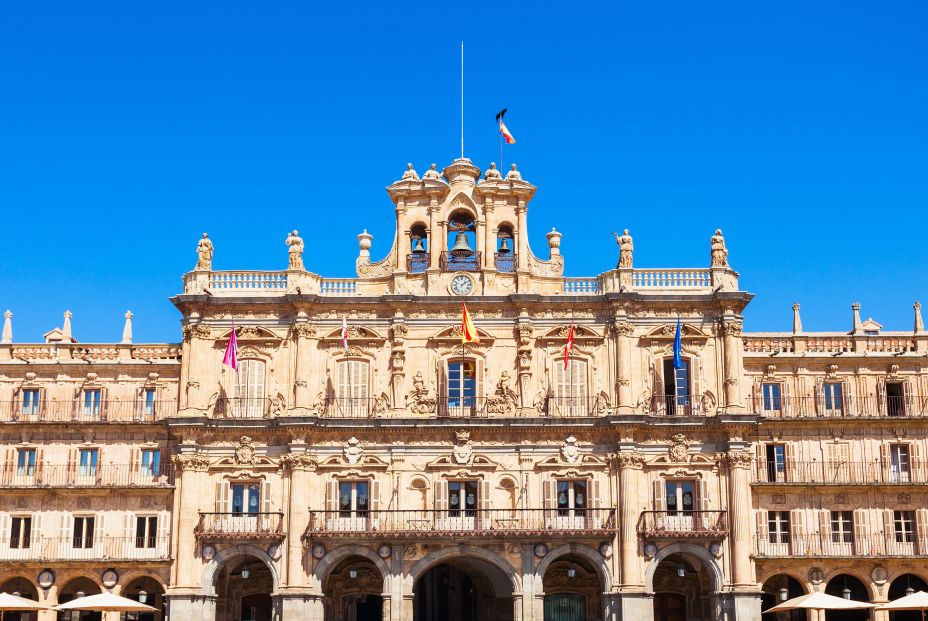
(442, 387)
(886, 461)
(221, 504)
(757, 395)
(548, 489)
(790, 462)
(696, 384)
(98, 534)
(479, 371)
(786, 403)
(135, 464)
(820, 396)
(441, 495)
(164, 522)
(72, 464)
(797, 527)
(703, 495)
(659, 493)
(824, 522)
(267, 504)
(67, 529)
(594, 494)
(889, 531)
(484, 505)
(921, 525)
(761, 517)
(862, 540)
(39, 465)
(881, 399)
(375, 495)
(331, 498)
(760, 462)
(915, 462)
(908, 402)
(4, 529)
(129, 536)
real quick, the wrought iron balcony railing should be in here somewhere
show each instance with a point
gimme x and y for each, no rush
(842, 545)
(677, 405)
(450, 523)
(417, 262)
(506, 262)
(79, 410)
(75, 475)
(88, 549)
(242, 407)
(683, 524)
(462, 407)
(575, 406)
(845, 406)
(841, 472)
(350, 407)
(240, 526)
(460, 262)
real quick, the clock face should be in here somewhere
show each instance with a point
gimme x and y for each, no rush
(461, 284)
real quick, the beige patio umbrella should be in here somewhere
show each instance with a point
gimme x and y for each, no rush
(821, 601)
(915, 601)
(15, 603)
(105, 602)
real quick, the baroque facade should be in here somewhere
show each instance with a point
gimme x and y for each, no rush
(400, 475)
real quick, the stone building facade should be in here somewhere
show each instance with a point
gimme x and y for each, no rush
(362, 463)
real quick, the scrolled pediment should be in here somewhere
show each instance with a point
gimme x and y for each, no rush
(669, 330)
(338, 462)
(581, 333)
(452, 335)
(477, 462)
(250, 334)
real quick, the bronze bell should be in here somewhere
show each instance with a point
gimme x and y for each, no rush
(504, 246)
(461, 246)
(417, 246)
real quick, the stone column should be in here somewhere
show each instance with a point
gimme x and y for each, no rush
(731, 331)
(740, 517)
(435, 242)
(489, 242)
(300, 465)
(192, 607)
(302, 333)
(630, 467)
(624, 332)
(191, 473)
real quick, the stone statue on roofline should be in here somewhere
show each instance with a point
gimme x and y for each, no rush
(295, 242)
(718, 249)
(626, 248)
(492, 174)
(432, 173)
(204, 253)
(410, 174)
(514, 174)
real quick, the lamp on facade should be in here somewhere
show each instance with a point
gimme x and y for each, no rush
(143, 597)
(245, 571)
(571, 570)
(16, 594)
(846, 592)
(908, 586)
(681, 570)
(784, 594)
(79, 595)
(353, 573)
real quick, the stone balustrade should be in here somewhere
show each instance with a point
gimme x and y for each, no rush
(831, 344)
(671, 279)
(96, 549)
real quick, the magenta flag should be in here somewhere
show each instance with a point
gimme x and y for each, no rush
(231, 357)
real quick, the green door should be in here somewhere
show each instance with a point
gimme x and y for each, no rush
(565, 607)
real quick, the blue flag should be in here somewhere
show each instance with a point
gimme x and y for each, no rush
(678, 349)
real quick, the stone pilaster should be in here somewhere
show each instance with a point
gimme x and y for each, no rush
(630, 464)
(624, 332)
(740, 517)
(299, 465)
(732, 368)
(191, 485)
(302, 334)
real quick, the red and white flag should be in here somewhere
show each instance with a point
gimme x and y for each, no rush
(230, 359)
(344, 334)
(507, 135)
(568, 346)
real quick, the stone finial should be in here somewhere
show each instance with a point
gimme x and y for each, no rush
(432, 173)
(797, 321)
(492, 173)
(718, 250)
(554, 241)
(919, 324)
(626, 248)
(204, 253)
(410, 174)
(7, 336)
(514, 174)
(858, 327)
(365, 240)
(66, 328)
(127, 329)
(295, 252)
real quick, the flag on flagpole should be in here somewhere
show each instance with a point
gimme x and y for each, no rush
(569, 345)
(230, 359)
(344, 334)
(468, 331)
(507, 135)
(678, 348)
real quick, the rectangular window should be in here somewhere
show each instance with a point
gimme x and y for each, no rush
(30, 404)
(462, 496)
(900, 464)
(776, 463)
(353, 498)
(151, 463)
(842, 526)
(895, 399)
(146, 531)
(352, 395)
(572, 497)
(771, 397)
(249, 389)
(83, 532)
(462, 383)
(904, 526)
(778, 526)
(834, 402)
(570, 396)
(246, 498)
(21, 532)
(93, 401)
(88, 462)
(149, 397)
(25, 462)
(680, 497)
(677, 387)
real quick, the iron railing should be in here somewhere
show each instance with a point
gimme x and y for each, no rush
(243, 407)
(506, 262)
(460, 262)
(683, 524)
(677, 405)
(830, 472)
(479, 522)
(845, 406)
(417, 262)
(78, 410)
(240, 526)
(89, 549)
(350, 407)
(575, 406)
(462, 407)
(842, 545)
(75, 475)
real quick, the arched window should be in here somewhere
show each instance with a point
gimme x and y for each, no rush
(505, 249)
(352, 390)
(418, 259)
(461, 255)
(248, 401)
(571, 390)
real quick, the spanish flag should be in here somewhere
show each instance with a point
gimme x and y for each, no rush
(505, 132)
(468, 331)
(569, 345)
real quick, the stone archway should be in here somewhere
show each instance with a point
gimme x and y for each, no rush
(242, 580)
(685, 580)
(77, 587)
(569, 584)
(779, 588)
(22, 587)
(902, 585)
(847, 586)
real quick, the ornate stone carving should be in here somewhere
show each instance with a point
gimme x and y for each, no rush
(410, 174)
(400, 330)
(353, 450)
(298, 461)
(278, 405)
(718, 250)
(893, 370)
(570, 450)
(492, 174)
(432, 173)
(526, 330)
(381, 404)
(204, 253)
(504, 399)
(626, 248)
(740, 459)
(624, 328)
(245, 451)
(708, 403)
(419, 400)
(629, 459)
(380, 269)
(679, 448)
(196, 330)
(191, 461)
(831, 371)
(295, 252)
(731, 328)
(552, 267)
(305, 330)
(462, 450)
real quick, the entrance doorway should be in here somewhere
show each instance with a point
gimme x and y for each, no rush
(848, 587)
(244, 586)
(573, 590)
(565, 607)
(669, 607)
(354, 591)
(465, 589)
(683, 590)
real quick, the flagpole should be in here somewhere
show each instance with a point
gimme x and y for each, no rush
(501, 166)
(462, 100)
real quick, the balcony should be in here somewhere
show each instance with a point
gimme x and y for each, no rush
(76, 410)
(827, 545)
(575, 406)
(89, 549)
(444, 523)
(242, 407)
(677, 406)
(683, 524)
(506, 262)
(462, 407)
(460, 262)
(240, 527)
(843, 407)
(840, 473)
(417, 262)
(361, 407)
(74, 475)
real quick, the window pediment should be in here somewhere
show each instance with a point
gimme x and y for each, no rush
(250, 334)
(452, 335)
(668, 331)
(588, 462)
(582, 333)
(338, 462)
(478, 462)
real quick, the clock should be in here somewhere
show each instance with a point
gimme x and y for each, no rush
(462, 285)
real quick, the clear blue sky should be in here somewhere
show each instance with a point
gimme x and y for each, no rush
(128, 129)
